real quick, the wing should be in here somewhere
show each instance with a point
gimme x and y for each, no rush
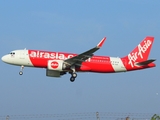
(77, 60)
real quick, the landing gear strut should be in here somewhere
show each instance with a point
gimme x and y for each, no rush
(21, 71)
(73, 74)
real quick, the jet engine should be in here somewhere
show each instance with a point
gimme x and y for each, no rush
(57, 65)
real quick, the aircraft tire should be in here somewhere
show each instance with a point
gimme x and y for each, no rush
(20, 73)
(74, 75)
(72, 79)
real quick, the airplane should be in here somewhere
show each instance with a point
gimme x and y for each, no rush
(60, 63)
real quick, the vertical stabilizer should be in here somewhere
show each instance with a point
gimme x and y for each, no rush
(141, 52)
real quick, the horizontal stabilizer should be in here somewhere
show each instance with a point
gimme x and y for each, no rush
(146, 62)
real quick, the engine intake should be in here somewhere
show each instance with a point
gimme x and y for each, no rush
(57, 65)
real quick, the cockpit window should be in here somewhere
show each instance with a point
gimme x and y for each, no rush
(12, 53)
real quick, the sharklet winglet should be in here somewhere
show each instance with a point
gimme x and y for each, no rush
(100, 44)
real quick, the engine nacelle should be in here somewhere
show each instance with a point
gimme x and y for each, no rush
(57, 65)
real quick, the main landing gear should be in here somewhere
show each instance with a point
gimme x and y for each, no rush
(73, 74)
(21, 71)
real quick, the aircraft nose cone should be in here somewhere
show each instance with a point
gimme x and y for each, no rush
(4, 58)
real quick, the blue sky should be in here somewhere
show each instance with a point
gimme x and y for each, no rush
(76, 26)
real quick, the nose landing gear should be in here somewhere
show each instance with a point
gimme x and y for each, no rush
(21, 71)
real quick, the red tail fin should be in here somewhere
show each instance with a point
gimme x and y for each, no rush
(141, 52)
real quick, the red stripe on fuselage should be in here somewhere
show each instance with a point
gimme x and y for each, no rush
(99, 64)
(95, 64)
(40, 58)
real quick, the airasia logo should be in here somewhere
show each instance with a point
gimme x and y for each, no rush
(139, 53)
(54, 64)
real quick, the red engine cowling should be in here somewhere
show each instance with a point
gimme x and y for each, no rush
(57, 65)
